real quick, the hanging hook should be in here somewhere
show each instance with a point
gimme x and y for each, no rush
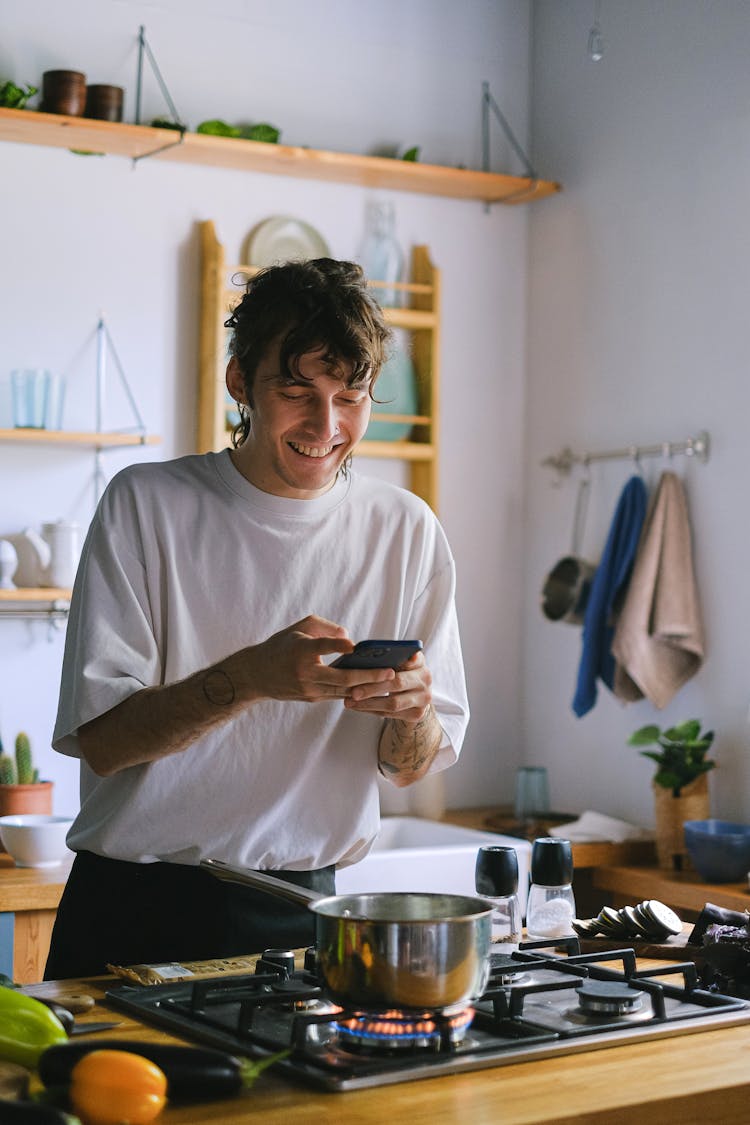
(635, 455)
(586, 467)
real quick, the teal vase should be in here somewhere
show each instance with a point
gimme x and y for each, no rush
(395, 392)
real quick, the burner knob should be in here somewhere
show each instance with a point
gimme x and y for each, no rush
(283, 958)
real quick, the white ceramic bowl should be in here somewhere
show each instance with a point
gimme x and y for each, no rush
(35, 840)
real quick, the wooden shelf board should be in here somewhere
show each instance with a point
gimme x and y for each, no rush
(411, 419)
(398, 317)
(680, 890)
(52, 130)
(35, 594)
(410, 318)
(73, 437)
(400, 450)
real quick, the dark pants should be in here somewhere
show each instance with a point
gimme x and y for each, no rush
(153, 913)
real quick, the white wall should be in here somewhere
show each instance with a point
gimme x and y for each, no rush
(638, 334)
(84, 234)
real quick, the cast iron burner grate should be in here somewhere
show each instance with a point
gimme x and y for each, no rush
(537, 1004)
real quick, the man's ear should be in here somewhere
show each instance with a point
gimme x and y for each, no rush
(235, 381)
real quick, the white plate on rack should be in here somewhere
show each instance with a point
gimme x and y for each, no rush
(284, 239)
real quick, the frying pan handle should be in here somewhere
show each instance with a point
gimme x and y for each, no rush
(261, 881)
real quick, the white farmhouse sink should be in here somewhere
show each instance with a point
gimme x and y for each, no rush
(412, 854)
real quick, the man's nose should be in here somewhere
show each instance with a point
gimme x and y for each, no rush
(323, 418)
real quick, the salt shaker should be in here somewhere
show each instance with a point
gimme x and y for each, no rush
(496, 879)
(551, 906)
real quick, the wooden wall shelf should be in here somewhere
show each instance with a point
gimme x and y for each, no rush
(86, 135)
(35, 594)
(91, 439)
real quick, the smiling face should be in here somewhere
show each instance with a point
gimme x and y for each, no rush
(304, 424)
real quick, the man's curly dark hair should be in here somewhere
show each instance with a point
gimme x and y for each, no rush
(305, 306)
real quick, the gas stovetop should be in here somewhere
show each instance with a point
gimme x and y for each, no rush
(537, 1004)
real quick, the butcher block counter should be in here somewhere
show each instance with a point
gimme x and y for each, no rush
(692, 1078)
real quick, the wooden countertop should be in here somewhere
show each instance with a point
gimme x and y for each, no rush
(31, 888)
(692, 1078)
(683, 890)
(492, 818)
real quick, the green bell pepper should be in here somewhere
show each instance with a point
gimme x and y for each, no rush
(27, 1027)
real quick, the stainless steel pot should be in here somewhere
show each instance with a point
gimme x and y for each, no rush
(390, 950)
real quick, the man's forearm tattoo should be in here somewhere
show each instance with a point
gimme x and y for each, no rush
(414, 744)
(218, 688)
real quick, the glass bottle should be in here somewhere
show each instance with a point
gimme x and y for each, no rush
(551, 907)
(496, 879)
(380, 255)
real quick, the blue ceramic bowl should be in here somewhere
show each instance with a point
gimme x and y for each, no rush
(719, 849)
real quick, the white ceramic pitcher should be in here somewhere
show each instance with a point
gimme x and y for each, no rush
(55, 552)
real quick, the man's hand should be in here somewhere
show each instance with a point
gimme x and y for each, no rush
(412, 734)
(289, 665)
(407, 694)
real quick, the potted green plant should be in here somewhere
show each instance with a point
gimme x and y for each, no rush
(15, 97)
(680, 783)
(21, 790)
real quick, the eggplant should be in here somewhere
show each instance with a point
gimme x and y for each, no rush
(193, 1074)
(33, 1113)
(65, 1016)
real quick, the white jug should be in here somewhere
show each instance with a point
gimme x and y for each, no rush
(51, 559)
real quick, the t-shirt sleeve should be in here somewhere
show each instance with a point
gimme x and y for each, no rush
(111, 649)
(434, 619)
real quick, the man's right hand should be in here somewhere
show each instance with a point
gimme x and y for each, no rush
(290, 665)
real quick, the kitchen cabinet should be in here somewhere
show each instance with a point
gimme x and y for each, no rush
(51, 600)
(419, 317)
(29, 897)
(53, 130)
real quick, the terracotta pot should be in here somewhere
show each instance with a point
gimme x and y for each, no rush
(16, 799)
(671, 813)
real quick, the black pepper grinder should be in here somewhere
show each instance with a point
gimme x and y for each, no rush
(496, 879)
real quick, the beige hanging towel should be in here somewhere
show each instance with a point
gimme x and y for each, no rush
(658, 643)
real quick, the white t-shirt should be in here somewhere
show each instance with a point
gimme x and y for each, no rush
(185, 563)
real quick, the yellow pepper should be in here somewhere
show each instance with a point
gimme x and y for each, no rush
(112, 1087)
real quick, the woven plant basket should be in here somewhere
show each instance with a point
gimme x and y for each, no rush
(671, 814)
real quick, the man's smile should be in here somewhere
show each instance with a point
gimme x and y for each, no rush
(311, 450)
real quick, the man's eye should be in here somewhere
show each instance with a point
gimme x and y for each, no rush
(354, 400)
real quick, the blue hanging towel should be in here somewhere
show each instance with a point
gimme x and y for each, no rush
(609, 582)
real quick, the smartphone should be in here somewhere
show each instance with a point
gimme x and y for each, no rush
(378, 654)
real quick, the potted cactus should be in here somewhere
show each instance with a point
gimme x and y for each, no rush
(21, 791)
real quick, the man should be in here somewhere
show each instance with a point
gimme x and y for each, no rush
(197, 689)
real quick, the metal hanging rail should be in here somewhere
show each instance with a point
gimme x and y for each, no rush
(697, 446)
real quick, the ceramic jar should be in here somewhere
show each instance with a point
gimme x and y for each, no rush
(64, 91)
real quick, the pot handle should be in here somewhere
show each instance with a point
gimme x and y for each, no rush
(261, 881)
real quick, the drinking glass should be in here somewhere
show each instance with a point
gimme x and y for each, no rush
(30, 391)
(53, 407)
(532, 794)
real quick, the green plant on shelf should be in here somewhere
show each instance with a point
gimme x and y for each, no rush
(682, 757)
(14, 97)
